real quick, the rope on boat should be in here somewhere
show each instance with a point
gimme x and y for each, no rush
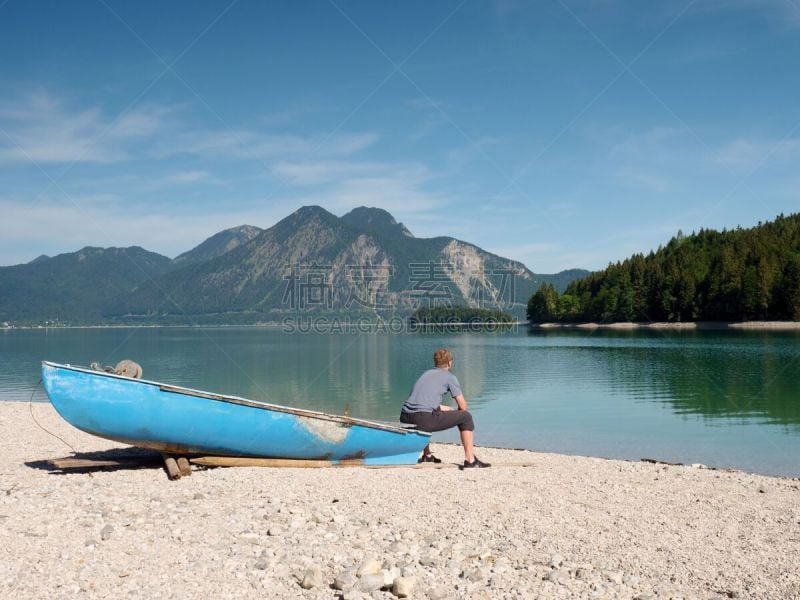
(125, 368)
(128, 368)
(42, 427)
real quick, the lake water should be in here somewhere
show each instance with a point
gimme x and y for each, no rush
(725, 399)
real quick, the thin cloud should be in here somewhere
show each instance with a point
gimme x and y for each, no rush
(656, 159)
(639, 178)
(246, 144)
(532, 249)
(44, 130)
(425, 128)
(327, 171)
(319, 172)
(555, 255)
(183, 178)
(105, 220)
(750, 153)
(402, 194)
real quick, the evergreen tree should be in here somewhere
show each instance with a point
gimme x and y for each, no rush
(543, 305)
(791, 289)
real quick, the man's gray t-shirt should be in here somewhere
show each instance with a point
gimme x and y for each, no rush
(429, 389)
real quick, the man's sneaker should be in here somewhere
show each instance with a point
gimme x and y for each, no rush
(476, 464)
(429, 458)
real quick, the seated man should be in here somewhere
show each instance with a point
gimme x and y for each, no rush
(424, 408)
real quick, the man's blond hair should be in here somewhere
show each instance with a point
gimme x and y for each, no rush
(442, 357)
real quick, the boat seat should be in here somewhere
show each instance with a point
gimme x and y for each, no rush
(398, 424)
(405, 425)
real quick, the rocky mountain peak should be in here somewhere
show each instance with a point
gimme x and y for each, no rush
(307, 212)
(218, 244)
(375, 220)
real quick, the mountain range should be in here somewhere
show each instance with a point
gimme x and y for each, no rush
(311, 262)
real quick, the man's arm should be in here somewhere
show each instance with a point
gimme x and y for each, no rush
(461, 401)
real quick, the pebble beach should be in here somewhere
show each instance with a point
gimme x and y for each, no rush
(564, 527)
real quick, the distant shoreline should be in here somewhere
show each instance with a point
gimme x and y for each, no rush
(176, 326)
(621, 326)
(698, 325)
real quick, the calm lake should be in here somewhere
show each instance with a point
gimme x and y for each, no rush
(725, 399)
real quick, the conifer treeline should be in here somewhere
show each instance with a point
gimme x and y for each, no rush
(738, 275)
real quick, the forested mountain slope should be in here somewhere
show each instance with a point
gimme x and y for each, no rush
(737, 275)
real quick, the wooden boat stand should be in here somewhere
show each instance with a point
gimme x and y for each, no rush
(181, 466)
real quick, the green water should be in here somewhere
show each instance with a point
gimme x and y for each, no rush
(727, 399)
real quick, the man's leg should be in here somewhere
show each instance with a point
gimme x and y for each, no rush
(467, 438)
(466, 426)
(422, 421)
(441, 420)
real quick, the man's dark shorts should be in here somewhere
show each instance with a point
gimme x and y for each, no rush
(439, 420)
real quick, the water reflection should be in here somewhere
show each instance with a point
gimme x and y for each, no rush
(713, 377)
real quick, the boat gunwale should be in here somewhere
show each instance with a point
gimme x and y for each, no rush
(175, 389)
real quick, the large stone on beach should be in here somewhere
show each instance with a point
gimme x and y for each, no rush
(402, 587)
(369, 567)
(345, 580)
(311, 578)
(389, 575)
(371, 582)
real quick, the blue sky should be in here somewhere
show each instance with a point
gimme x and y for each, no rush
(566, 133)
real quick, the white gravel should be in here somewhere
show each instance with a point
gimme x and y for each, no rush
(568, 527)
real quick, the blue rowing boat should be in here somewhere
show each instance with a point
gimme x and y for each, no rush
(182, 421)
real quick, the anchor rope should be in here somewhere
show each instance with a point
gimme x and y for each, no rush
(42, 427)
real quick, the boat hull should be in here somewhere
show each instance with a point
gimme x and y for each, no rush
(183, 421)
